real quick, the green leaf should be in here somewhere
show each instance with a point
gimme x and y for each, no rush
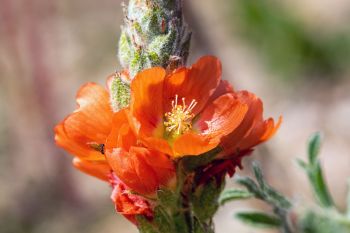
(249, 184)
(258, 175)
(277, 199)
(303, 165)
(314, 147)
(315, 174)
(269, 195)
(323, 221)
(259, 219)
(234, 194)
(319, 186)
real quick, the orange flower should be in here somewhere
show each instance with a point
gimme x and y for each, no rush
(182, 113)
(253, 130)
(84, 132)
(142, 170)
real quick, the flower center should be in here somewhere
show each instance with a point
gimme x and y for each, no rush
(179, 120)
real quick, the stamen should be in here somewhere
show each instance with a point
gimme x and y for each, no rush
(175, 100)
(179, 119)
(192, 105)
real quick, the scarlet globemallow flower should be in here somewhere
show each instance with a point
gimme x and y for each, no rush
(181, 113)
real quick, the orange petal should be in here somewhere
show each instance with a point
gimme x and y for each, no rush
(271, 128)
(221, 117)
(253, 130)
(91, 122)
(76, 148)
(158, 144)
(162, 165)
(121, 134)
(223, 88)
(196, 83)
(131, 168)
(253, 116)
(252, 137)
(99, 169)
(146, 99)
(153, 163)
(217, 120)
(261, 131)
(192, 144)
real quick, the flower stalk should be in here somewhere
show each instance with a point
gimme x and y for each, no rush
(154, 34)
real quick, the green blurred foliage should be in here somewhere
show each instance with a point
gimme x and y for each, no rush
(286, 45)
(289, 217)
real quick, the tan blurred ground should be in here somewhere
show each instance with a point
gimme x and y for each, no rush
(49, 48)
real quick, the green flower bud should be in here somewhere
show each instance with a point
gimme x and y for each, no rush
(153, 33)
(120, 93)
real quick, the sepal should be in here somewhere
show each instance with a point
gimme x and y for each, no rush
(119, 92)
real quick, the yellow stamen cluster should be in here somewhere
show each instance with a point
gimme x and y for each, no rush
(179, 120)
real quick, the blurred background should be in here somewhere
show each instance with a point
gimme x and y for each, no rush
(294, 54)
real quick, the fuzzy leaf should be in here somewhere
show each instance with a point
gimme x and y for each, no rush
(315, 174)
(249, 184)
(303, 165)
(258, 175)
(323, 222)
(234, 194)
(314, 147)
(259, 219)
(277, 199)
(320, 187)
